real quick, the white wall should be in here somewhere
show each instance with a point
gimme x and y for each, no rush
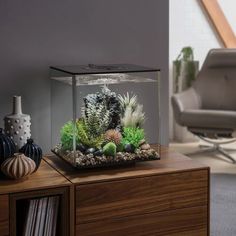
(190, 26)
(229, 6)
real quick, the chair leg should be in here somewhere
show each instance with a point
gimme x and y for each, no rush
(203, 150)
(229, 149)
(213, 148)
(210, 145)
(205, 145)
(224, 153)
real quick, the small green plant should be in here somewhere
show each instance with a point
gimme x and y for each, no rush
(67, 135)
(86, 138)
(132, 135)
(186, 55)
(96, 119)
(109, 149)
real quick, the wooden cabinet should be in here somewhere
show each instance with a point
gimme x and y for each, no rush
(155, 205)
(166, 223)
(139, 196)
(4, 215)
(14, 196)
(167, 197)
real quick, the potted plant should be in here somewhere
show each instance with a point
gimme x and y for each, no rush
(185, 69)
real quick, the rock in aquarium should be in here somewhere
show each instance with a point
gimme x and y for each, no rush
(145, 146)
(99, 152)
(129, 147)
(81, 147)
(90, 151)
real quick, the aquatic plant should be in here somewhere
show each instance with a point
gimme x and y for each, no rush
(86, 138)
(127, 101)
(132, 135)
(67, 135)
(96, 119)
(109, 149)
(132, 112)
(113, 135)
(109, 101)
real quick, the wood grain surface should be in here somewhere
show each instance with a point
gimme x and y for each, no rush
(165, 197)
(177, 222)
(45, 177)
(220, 22)
(4, 215)
(170, 162)
(115, 199)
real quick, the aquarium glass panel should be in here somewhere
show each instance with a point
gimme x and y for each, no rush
(105, 115)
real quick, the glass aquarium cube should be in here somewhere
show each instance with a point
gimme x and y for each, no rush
(105, 115)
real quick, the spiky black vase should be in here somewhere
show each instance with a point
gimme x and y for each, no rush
(33, 151)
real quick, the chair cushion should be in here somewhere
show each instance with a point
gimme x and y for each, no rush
(209, 119)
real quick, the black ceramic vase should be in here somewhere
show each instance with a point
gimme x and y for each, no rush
(7, 147)
(33, 151)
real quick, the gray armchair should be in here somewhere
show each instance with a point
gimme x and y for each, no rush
(208, 108)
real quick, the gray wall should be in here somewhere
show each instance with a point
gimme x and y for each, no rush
(39, 33)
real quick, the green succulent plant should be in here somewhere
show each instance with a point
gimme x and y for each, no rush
(86, 138)
(132, 135)
(96, 119)
(67, 131)
(109, 149)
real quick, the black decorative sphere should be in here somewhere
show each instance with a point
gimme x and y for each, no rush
(99, 152)
(33, 151)
(81, 147)
(129, 148)
(7, 146)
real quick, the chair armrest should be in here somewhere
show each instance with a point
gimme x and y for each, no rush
(188, 99)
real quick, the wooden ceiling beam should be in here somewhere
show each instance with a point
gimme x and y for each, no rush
(220, 22)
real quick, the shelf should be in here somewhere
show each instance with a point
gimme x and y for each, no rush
(19, 205)
(45, 177)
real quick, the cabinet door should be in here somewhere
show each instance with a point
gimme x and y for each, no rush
(180, 222)
(4, 215)
(170, 204)
(139, 196)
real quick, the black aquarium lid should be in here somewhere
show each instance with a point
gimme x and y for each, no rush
(102, 69)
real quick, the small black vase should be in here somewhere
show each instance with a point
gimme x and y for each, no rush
(7, 146)
(33, 151)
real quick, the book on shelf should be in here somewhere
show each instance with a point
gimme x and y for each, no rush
(42, 216)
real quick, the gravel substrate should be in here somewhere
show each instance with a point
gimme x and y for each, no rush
(83, 161)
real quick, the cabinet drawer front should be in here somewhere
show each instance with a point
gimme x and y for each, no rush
(141, 195)
(4, 215)
(187, 221)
